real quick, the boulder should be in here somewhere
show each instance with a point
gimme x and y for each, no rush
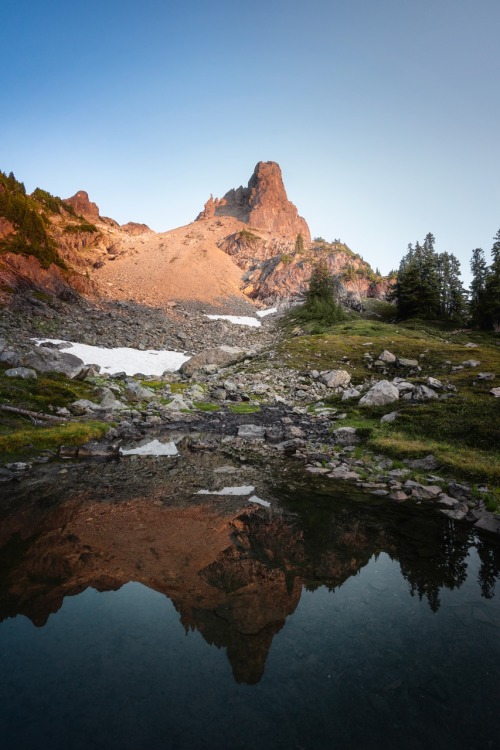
(381, 393)
(434, 383)
(495, 392)
(135, 392)
(403, 362)
(387, 356)
(429, 463)
(335, 378)
(10, 357)
(391, 417)
(423, 393)
(471, 363)
(21, 372)
(44, 359)
(83, 406)
(346, 436)
(177, 404)
(350, 393)
(220, 356)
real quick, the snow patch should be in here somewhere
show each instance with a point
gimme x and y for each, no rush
(269, 311)
(152, 448)
(241, 320)
(242, 490)
(123, 359)
(255, 499)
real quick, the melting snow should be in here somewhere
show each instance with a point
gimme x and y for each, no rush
(255, 499)
(242, 320)
(123, 359)
(269, 311)
(243, 490)
(152, 448)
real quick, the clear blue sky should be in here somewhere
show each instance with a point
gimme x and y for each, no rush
(383, 114)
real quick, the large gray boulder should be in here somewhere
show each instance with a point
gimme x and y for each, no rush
(43, 359)
(220, 356)
(335, 378)
(387, 356)
(25, 373)
(136, 392)
(380, 394)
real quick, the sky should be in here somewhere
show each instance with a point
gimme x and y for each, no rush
(383, 114)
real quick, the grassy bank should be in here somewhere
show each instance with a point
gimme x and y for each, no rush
(463, 431)
(20, 437)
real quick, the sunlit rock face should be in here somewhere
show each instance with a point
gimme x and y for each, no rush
(263, 204)
(83, 205)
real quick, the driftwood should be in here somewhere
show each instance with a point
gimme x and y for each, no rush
(31, 414)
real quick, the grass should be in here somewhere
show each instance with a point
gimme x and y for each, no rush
(463, 432)
(19, 437)
(26, 439)
(47, 390)
(206, 406)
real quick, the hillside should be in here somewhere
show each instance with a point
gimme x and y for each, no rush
(249, 247)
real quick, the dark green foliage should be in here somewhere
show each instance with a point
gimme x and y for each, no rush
(492, 290)
(84, 226)
(248, 237)
(428, 284)
(321, 306)
(23, 212)
(52, 203)
(485, 288)
(299, 244)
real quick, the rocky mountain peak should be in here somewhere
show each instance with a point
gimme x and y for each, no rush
(263, 204)
(83, 206)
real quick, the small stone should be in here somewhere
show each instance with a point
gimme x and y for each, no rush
(471, 363)
(495, 392)
(485, 376)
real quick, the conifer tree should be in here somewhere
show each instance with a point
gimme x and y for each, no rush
(479, 271)
(492, 288)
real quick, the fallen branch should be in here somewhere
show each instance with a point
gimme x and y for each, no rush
(31, 414)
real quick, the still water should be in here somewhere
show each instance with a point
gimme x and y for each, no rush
(146, 616)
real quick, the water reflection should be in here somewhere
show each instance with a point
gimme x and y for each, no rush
(233, 572)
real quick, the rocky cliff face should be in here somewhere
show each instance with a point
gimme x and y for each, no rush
(83, 206)
(263, 204)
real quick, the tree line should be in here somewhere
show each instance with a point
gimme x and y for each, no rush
(427, 285)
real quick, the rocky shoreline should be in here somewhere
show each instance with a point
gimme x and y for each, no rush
(246, 401)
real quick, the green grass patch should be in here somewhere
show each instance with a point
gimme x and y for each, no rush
(25, 439)
(47, 390)
(206, 406)
(462, 462)
(243, 408)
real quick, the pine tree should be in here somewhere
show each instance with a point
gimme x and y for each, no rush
(477, 290)
(492, 288)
